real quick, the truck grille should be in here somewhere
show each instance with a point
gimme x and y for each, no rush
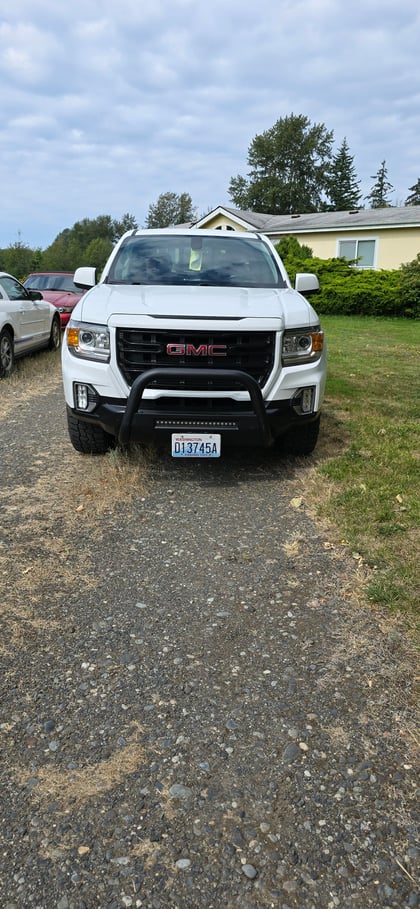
(250, 352)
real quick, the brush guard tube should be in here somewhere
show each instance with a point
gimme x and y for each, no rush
(229, 375)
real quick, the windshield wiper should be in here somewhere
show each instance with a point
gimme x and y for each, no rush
(124, 283)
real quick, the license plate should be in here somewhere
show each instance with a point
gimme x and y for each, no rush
(189, 445)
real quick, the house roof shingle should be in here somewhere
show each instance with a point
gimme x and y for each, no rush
(360, 219)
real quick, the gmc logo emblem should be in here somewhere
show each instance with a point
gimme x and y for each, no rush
(190, 350)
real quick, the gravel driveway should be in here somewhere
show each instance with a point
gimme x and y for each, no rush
(197, 713)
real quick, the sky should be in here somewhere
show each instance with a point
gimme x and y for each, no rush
(106, 104)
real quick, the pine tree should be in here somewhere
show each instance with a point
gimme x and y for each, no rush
(414, 197)
(378, 196)
(343, 185)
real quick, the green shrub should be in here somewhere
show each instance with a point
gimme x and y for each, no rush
(346, 290)
(410, 287)
(364, 293)
(291, 251)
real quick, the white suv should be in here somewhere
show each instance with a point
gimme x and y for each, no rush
(194, 339)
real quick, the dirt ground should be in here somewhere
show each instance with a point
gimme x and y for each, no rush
(198, 707)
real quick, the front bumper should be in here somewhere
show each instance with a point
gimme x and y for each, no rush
(251, 423)
(65, 316)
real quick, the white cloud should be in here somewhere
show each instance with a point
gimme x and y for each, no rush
(25, 55)
(105, 106)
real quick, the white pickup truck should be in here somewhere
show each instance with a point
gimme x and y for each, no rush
(194, 339)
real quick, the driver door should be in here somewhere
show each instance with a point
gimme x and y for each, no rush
(30, 317)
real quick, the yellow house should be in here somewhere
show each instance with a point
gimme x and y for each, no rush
(377, 237)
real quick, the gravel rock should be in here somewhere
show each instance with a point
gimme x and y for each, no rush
(183, 864)
(231, 729)
(249, 871)
(290, 753)
(177, 791)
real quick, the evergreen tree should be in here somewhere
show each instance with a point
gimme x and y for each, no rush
(343, 186)
(289, 167)
(414, 197)
(378, 196)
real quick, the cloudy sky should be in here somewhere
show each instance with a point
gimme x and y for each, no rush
(105, 104)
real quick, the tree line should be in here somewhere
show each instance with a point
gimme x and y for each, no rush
(293, 169)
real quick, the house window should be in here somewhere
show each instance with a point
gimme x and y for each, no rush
(362, 250)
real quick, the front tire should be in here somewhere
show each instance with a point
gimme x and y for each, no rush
(301, 440)
(55, 335)
(88, 438)
(7, 354)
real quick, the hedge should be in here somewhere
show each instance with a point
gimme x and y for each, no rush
(346, 290)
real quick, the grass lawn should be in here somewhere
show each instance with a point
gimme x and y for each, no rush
(368, 485)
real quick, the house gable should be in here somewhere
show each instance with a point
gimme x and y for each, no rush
(224, 218)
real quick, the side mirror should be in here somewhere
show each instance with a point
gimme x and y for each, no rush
(35, 295)
(306, 283)
(85, 277)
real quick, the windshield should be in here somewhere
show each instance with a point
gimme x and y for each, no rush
(209, 260)
(52, 282)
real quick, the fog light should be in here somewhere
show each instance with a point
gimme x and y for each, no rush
(82, 397)
(85, 397)
(304, 399)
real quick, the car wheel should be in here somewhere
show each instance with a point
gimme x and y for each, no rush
(7, 353)
(301, 440)
(87, 438)
(55, 335)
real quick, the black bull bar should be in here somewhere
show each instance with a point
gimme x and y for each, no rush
(228, 375)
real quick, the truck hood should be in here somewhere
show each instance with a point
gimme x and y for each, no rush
(106, 304)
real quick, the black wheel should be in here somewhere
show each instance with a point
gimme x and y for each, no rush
(7, 354)
(301, 440)
(88, 438)
(55, 335)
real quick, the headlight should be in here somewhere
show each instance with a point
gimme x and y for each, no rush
(88, 341)
(302, 345)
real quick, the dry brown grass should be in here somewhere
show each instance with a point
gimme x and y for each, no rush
(72, 787)
(86, 484)
(67, 494)
(33, 376)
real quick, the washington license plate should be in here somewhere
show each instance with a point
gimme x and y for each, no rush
(190, 445)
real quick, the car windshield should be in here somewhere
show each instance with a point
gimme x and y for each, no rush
(52, 282)
(209, 260)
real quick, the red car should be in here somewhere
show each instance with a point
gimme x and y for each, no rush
(58, 288)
